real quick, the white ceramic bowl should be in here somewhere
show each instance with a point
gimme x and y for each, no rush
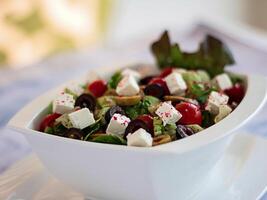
(170, 171)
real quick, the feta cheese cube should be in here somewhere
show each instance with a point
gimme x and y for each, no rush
(63, 103)
(74, 88)
(128, 86)
(65, 121)
(117, 124)
(215, 100)
(81, 118)
(176, 83)
(139, 138)
(130, 72)
(223, 81)
(168, 113)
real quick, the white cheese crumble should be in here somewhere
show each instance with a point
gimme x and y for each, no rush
(81, 118)
(140, 138)
(117, 124)
(176, 83)
(128, 86)
(215, 100)
(223, 81)
(168, 113)
(63, 103)
(131, 72)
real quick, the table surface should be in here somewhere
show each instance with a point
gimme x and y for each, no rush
(19, 87)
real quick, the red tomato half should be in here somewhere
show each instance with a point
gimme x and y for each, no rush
(98, 88)
(235, 93)
(148, 120)
(48, 120)
(162, 83)
(191, 113)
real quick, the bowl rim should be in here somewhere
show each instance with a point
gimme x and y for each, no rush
(252, 102)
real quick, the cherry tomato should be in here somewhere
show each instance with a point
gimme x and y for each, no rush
(98, 88)
(235, 93)
(191, 113)
(162, 83)
(148, 120)
(48, 120)
(165, 72)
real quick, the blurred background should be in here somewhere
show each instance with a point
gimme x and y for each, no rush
(32, 30)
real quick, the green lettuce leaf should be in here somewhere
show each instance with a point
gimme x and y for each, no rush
(212, 55)
(110, 139)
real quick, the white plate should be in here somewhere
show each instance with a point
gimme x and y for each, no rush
(240, 174)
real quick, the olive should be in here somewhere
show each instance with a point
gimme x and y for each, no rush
(183, 131)
(86, 101)
(135, 125)
(146, 80)
(74, 133)
(112, 111)
(155, 90)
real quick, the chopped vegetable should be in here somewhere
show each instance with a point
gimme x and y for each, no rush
(195, 127)
(158, 126)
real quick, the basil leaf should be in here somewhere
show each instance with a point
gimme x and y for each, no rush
(114, 80)
(109, 139)
(212, 56)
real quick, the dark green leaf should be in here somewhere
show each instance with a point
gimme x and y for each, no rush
(213, 55)
(92, 129)
(109, 139)
(114, 80)
(57, 129)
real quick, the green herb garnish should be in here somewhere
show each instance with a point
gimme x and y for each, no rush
(114, 80)
(142, 107)
(212, 56)
(200, 91)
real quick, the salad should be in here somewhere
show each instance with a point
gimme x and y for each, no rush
(189, 93)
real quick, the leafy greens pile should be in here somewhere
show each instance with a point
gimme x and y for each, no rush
(212, 55)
